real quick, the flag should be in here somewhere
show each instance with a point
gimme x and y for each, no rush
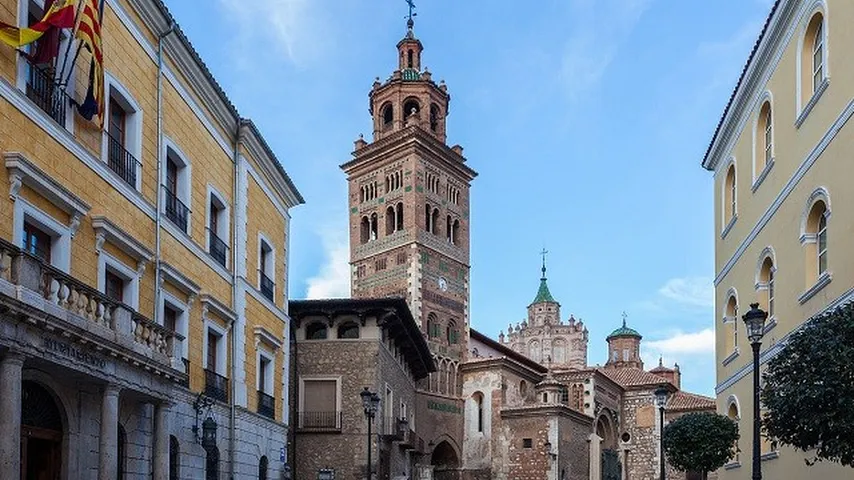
(89, 33)
(59, 15)
(47, 47)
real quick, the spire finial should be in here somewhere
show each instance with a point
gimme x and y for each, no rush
(410, 22)
(544, 253)
(660, 361)
(625, 315)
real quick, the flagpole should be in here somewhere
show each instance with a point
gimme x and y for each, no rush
(68, 48)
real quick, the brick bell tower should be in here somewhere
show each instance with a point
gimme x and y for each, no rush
(409, 219)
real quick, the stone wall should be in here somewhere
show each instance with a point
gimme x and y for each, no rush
(573, 449)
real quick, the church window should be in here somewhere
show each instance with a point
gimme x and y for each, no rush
(545, 397)
(409, 55)
(434, 222)
(452, 333)
(316, 331)
(615, 355)
(393, 181)
(534, 348)
(477, 397)
(432, 182)
(434, 117)
(388, 115)
(399, 217)
(455, 232)
(348, 330)
(380, 264)
(410, 107)
(360, 271)
(401, 258)
(625, 354)
(448, 231)
(432, 325)
(764, 140)
(527, 443)
(373, 234)
(390, 220)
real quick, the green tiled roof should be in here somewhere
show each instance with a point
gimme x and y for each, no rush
(624, 331)
(411, 74)
(543, 293)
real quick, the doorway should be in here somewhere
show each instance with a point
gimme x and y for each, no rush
(41, 434)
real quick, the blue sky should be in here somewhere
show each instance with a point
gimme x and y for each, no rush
(586, 119)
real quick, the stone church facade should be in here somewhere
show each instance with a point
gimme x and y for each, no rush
(524, 406)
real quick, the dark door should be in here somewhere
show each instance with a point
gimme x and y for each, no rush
(611, 468)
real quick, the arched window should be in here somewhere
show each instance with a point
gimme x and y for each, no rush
(409, 56)
(434, 221)
(388, 115)
(348, 330)
(534, 349)
(729, 195)
(814, 236)
(432, 325)
(523, 389)
(174, 458)
(452, 332)
(121, 452)
(262, 468)
(559, 352)
(764, 140)
(212, 464)
(390, 218)
(316, 331)
(767, 272)
(427, 217)
(409, 107)
(364, 230)
(477, 397)
(731, 321)
(399, 225)
(455, 232)
(733, 414)
(374, 227)
(448, 232)
(817, 56)
(812, 61)
(434, 117)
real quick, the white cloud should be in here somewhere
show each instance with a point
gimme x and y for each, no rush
(333, 279)
(296, 27)
(598, 29)
(695, 291)
(681, 343)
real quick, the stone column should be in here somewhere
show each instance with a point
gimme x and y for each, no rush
(161, 442)
(595, 456)
(10, 415)
(107, 459)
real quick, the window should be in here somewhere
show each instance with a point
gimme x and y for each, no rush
(527, 443)
(388, 115)
(409, 58)
(262, 468)
(433, 327)
(170, 317)
(625, 354)
(213, 347)
(452, 194)
(731, 321)
(174, 458)
(364, 230)
(432, 182)
(814, 238)
(361, 271)
(368, 191)
(452, 333)
(767, 273)
(410, 107)
(122, 144)
(118, 281)
(817, 56)
(478, 406)
(401, 258)
(38, 69)
(319, 403)
(812, 64)
(316, 331)
(175, 316)
(393, 181)
(266, 268)
(764, 153)
(523, 389)
(729, 195)
(822, 245)
(534, 349)
(403, 410)
(265, 374)
(217, 228)
(393, 218)
(348, 330)
(176, 187)
(37, 242)
(615, 355)
(380, 264)
(434, 117)
(214, 351)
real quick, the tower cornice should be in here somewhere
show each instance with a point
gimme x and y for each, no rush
(411, 137)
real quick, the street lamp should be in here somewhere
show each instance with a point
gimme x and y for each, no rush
(754, 320)
(661, 400)
(370, 402)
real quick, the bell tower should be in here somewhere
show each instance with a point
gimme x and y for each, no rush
(409, 217)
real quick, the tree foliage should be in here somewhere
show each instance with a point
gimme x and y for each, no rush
(700, 442)
(809, 389)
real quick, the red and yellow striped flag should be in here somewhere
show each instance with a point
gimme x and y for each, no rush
(59, 15)
(89, 33)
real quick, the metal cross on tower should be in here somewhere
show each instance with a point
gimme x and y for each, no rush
(544, 253)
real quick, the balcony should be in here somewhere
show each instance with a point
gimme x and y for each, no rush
(43, 90)
(394, 428)
(319, 421)
(267, 286)
(121, 161)
(217, 248)
(216, 386)
(266, 405)
(54, 301)
(176, 211)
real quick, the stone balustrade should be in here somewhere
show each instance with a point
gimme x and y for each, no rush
(62, 292)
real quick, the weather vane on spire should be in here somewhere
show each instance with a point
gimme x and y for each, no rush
(625, 315)
(410, 22)
(544, 253)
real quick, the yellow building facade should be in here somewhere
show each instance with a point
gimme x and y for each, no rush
(783, 205)
(143, 267)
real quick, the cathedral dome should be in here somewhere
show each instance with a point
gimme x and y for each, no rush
(624, 331)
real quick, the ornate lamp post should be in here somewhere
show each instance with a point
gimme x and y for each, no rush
(661, 400)
(754, 320)
(370, 402)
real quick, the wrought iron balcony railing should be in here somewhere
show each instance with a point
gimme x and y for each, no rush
(217, 248)
(176, 211)
(266, 405)
(319, 421)
(44, 91)
(267, 286)
(121, 161)
(216, 386)
(394, 428)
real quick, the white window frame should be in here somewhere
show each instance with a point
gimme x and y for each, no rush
(818, 43)
(130, 294)
(223, 223)
(133, 123)
(388, 399)
(184, 182)
(336, 379)
(270, 264)
(402, 412)
(222, 353)
(804, 103)
(182, 320)
(270, 357)
(60, 235)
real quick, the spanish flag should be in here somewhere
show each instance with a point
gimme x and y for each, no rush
(89, 33)
(59, 15)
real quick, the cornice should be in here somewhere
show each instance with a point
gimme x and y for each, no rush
(547, 409)
(504, 363)
(260, 150)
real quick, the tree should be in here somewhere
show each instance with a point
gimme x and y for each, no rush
(809, 389)
(700, 442)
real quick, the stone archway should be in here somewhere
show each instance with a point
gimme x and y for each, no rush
(41, 433)
(445, 461)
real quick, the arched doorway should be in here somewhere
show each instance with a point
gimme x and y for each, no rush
(445, 461)
(41, 433)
